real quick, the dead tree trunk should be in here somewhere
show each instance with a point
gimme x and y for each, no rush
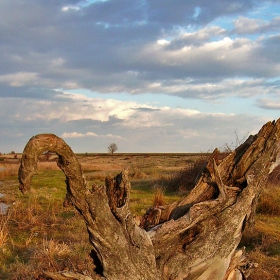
(195, 238)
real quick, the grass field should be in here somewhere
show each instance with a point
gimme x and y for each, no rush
(39, 234)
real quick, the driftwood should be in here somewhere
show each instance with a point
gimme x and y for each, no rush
(195, 238)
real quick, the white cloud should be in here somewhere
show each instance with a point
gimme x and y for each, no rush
(133, 114)
(269, 103)
(67, 8)
(70, 107)
(244, 25)
(78, 135)
(199, 36)
(88, 134)
(19, 79)
(188, 133)
(163, 42)
(208, 58)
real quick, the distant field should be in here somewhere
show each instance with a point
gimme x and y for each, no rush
(39, 234)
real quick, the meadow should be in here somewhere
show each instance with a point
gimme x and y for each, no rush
(38, 234)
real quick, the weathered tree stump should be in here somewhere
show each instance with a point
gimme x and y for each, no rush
(195, 238)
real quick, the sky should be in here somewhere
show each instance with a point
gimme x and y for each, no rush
(170, 76)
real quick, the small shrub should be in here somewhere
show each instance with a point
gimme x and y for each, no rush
(185, 179)
(158, 199)
(137, 174)
(52, 250)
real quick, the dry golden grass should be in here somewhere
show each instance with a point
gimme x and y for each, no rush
(8, 170)
(4, 231)
(51, 251)
(47, 165)
(269, 202)
(268, 266)
(43, 237)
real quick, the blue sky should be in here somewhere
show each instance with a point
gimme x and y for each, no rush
(151, 76)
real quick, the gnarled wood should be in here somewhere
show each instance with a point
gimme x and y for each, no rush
(210, 231)
(118, 244)
(195, 238)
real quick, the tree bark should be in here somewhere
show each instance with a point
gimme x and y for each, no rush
(195, 238)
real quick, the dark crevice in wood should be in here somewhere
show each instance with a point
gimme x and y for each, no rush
(189, 236)
(97, 262)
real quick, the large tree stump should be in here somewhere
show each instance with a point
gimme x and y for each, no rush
(195, 238)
